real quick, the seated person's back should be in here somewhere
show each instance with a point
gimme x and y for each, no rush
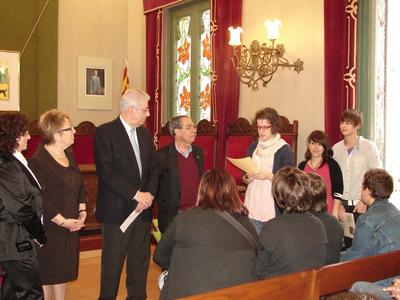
(377, 231)
(296, 240)
(200, 249)
(334, 231)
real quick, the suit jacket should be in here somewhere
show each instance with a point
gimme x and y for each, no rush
(20, 210)
(169, 188)
(118, 171)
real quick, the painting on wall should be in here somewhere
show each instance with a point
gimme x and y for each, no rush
(94, 83)
(9, 80)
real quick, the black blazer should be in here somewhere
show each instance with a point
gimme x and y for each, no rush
(20, 210)
(169, 188)
(118, 172)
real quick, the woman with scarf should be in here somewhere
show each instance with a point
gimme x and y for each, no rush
(270, 153)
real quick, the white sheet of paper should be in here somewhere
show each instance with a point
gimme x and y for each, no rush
(128, 221)
(348, 225)
(246, 164)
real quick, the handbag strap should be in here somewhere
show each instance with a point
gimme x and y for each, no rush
(239, 227)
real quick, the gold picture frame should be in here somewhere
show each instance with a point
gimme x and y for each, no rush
(9, 80)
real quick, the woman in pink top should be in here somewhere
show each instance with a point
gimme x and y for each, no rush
(319, 161)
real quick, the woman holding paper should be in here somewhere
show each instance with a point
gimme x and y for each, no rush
(64, 203)
(270, 153)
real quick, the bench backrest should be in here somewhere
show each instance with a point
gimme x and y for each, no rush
(312, 284)
(299, 286)
(338, 277)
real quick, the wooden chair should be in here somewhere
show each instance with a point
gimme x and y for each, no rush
(300, 286)
(83, 145)
(35, 140)
(241, 133)
(206, 139)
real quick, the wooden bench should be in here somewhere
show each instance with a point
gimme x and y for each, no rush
(339, 277)
(299, 286)
(312, 284)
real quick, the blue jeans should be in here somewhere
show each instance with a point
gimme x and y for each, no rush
(370, 288)
(258, 225)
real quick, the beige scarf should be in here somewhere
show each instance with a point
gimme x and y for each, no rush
(269, 147)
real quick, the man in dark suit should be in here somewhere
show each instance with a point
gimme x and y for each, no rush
(127, 180)
(182, 165)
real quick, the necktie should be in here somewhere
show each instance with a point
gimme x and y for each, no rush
(136, 149)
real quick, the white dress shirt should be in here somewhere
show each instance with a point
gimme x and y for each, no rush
(363, 157)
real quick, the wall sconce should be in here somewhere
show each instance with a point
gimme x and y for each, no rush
(260, 62)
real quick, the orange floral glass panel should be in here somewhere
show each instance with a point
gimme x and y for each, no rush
(183, 66)
(205, 68)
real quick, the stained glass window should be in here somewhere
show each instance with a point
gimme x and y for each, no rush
(205, 68)
(189, 76)
(183, 46)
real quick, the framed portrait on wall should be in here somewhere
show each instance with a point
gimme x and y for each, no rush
(94, 83)
(9, 80)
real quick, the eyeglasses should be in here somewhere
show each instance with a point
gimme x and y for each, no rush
(67, 129)
(263, 127)
(188, 127)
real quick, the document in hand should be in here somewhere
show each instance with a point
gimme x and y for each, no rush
(246, 164)
(128, 221)
(348, 225)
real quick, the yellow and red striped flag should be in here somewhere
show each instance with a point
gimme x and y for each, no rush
(125, 79)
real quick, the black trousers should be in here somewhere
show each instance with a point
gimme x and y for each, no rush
(134, 244)
(21, 280)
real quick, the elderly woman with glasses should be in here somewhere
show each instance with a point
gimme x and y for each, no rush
(20, 212)
(63, 202)
(270, 153)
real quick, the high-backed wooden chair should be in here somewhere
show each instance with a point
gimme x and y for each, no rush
(206, 139)
(35, 140)
(241, 133)
(83, 145)
(239, 136)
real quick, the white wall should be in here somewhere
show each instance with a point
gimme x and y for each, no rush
(99, 28)
(297, 96)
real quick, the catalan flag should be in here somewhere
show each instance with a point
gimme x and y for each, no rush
(125, 79)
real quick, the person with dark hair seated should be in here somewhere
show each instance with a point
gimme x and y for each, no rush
(210, 246)
(21, 227)
(334, 231)
(296, 240)
(377, 231)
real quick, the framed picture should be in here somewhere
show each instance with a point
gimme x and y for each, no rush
(9, 80)
(94, 83)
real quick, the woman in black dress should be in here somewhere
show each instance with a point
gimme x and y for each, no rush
(64, 203)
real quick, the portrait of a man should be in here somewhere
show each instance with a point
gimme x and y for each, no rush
(95, 81)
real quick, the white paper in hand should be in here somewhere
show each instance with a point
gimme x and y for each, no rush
(128, 221)
(246, 164)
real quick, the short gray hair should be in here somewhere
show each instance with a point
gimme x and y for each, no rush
(132, 97)
(175, 123)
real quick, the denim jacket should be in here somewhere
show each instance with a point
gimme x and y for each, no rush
(377, 231)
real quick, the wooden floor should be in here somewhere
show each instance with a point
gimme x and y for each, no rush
(88, 284)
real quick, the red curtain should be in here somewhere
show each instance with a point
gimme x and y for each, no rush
(340, 18)
(225, 82)
(153, 68)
